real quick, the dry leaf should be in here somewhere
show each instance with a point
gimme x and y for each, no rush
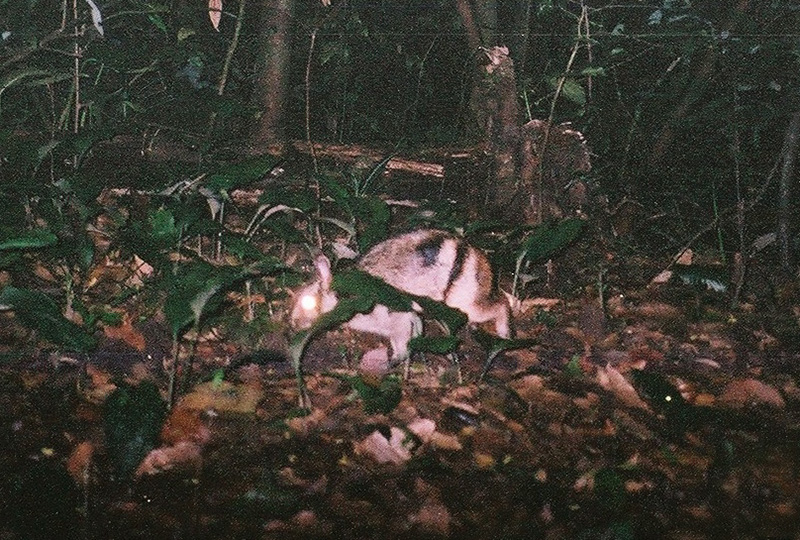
(663, 277)
(184, 424)
(613, 381)
(183, 456)
(425, 429)
(79, 463)
(303, 425)
(375, 363)
(520, 307)
(395, 450)
(742, 393)
(99, 387)
(215, 13)
(224, 396)
(433, 519)
(442, 441)
(484, 461)
(126, 332)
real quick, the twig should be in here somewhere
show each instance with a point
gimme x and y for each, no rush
(226, 68)
(77, 73)
(723, 215)
(559, 88)
(419, 80)
(316, 186)
(308, 106)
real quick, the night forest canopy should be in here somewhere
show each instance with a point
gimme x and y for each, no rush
(686, 106)
(171, 172)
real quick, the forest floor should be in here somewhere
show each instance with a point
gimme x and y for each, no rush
(663, 414)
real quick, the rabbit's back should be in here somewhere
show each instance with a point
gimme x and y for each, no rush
(443, 267)
(423, 262)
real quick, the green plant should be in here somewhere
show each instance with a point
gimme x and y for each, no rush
(545, 241)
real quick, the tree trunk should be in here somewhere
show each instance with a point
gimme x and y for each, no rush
(272, 73)
(701, 78)
(785, 213)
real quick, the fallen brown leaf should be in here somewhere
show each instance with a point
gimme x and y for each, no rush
(744, 392)
(395, 450)
(184, 424)
(184, 456)
(224, 396)
(79, 463)
(613, 381)
(126, 333)
(433, 519)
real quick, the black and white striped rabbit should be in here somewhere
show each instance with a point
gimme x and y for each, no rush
(425, 262)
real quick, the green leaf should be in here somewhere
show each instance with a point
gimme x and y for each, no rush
(237, 175)
(434, 344)
(32, 239)
(547, 239)
(163, 226)
(453, 319)
(358, 284)
(574, 92)
(133, 417)
(594, 71)
(573, 367)
(373, 214)
(378, 399)
(610, 490)
(195, 291)
(39, 312)
(495, 345)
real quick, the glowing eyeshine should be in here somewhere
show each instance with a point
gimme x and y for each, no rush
(308, 302)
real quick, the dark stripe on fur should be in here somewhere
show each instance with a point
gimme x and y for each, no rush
(458, 265)
(430, 248)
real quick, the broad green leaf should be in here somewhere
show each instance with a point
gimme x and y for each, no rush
(133, 417)
(547, 239)
(195, 291)
(162, 223)
(452, 318)
(358, 284)
(32, 239)
(373, 214)
(237, 175)
(381, 399)
(434, 344)
(574, 92)
(39, 312)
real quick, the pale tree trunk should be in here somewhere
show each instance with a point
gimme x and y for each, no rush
(272, 74)
(786, 210)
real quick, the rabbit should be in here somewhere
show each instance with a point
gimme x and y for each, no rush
(425, 262)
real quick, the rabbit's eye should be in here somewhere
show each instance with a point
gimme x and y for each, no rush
(308, 302)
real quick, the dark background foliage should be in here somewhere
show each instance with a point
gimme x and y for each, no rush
(684, 104)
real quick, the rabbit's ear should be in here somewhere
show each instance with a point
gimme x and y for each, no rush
(323, 266)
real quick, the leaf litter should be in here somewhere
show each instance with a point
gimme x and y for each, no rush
(641, 424)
